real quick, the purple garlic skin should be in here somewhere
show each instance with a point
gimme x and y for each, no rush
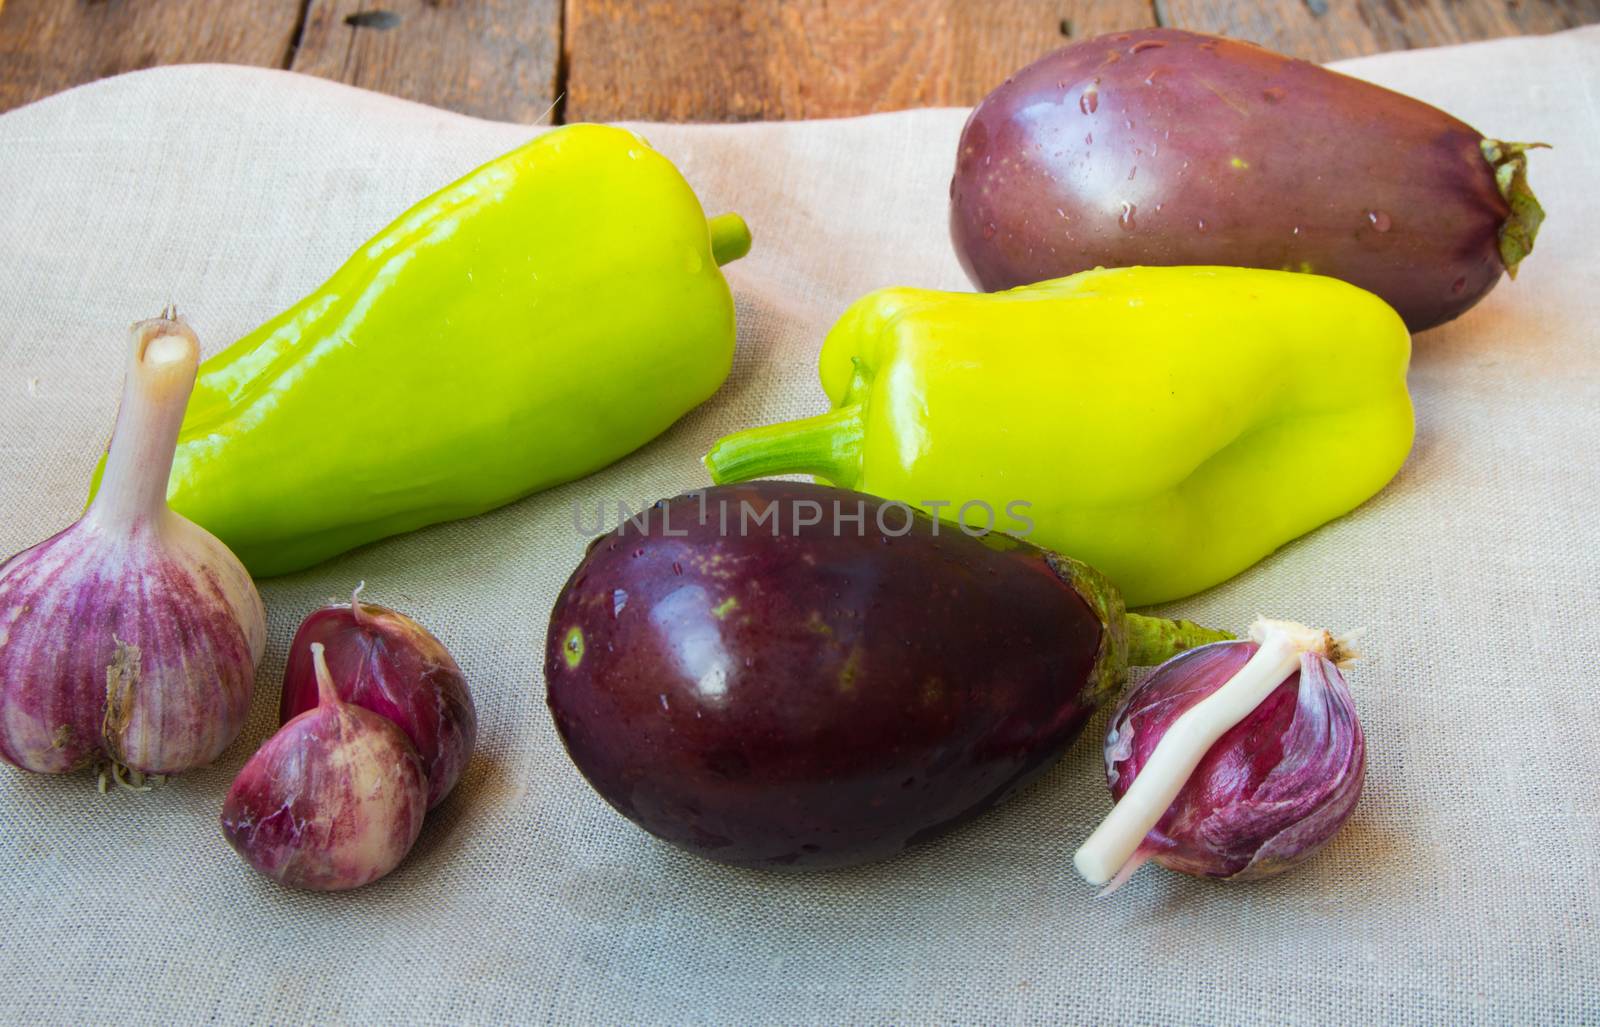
(333, 801)
(384, 661)
(131, 638)
(108, 668)
(1271, 791)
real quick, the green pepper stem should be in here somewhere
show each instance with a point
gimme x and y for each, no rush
(828, 446)
(730, 238)
(1155, 640)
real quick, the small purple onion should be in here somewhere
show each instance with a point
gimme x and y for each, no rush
(1266, 795)
(333, 801)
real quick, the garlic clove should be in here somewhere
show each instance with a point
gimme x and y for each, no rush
(1235, 760)
(130, 639)
(384, 661)
(333, 801)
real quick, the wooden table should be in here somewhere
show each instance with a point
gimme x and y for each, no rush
(717, 60)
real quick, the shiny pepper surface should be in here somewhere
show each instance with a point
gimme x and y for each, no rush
(526, 325)
(1169, 426)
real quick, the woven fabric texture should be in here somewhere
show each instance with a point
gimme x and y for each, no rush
(1464, 890)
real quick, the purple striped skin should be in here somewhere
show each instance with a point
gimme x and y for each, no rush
(386, 662)
(132, 637)
(118, 647)
(1272, 791)
(1166, 147)
(333, 801)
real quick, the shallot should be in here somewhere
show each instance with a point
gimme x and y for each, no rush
(333, 801)
(386, 662)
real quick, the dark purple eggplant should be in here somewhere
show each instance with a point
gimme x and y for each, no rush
(1167, 147)
(750, 676)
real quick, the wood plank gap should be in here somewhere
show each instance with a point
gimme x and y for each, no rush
(558, 109)
(489, 58)
(295, 35)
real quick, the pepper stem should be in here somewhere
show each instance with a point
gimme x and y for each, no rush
(1155, 640)
(828, 446)
(1191, 736)
(730, 238)
(1510, 163)
(327, 693)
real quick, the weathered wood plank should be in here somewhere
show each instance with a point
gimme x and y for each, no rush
(690, 59)
(1326, 30)
(726, 60)
(491, 58)
(50, 45)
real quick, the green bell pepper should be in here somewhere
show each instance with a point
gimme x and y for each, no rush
(526, 325)
(1170, 426)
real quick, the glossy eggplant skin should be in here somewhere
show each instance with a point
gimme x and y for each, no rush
(816, 699)
(1164, 147)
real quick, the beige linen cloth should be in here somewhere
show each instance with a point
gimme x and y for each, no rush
(1465, 889)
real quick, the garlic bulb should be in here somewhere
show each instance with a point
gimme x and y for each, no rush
(129, 641)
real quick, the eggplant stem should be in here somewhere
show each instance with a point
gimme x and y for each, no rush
(1154, 640)
(1117, 840)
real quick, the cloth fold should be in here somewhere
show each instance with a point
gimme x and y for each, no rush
(1463, 890)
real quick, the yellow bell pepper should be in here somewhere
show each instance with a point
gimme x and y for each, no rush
(1170, 426)
(528, 324)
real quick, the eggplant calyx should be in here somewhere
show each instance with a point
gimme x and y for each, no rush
(1517, 231)
(1127, 639)
(1105, 602)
